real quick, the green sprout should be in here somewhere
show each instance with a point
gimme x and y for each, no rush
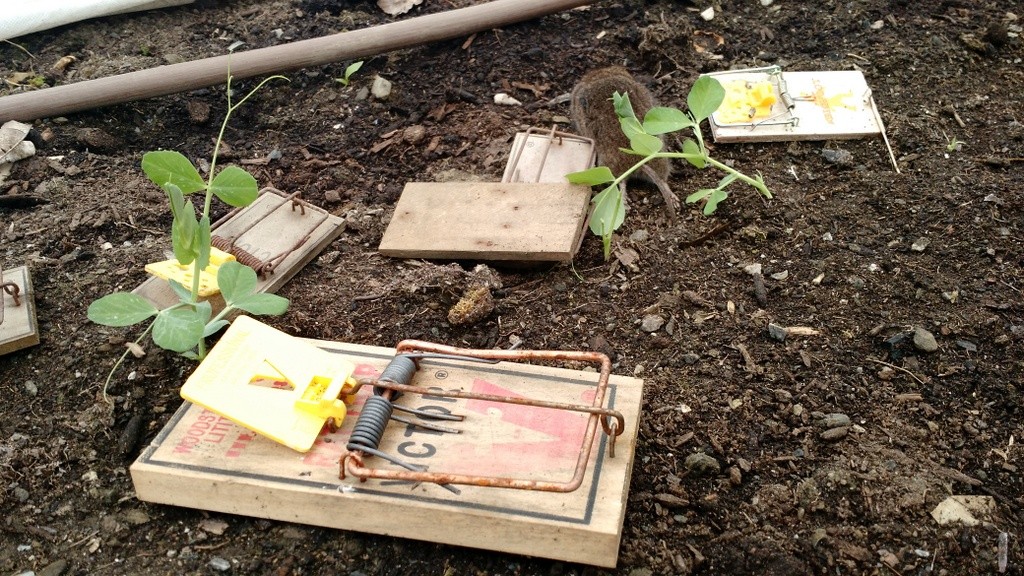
(352, 69)
(953, 145)
(184, 326)
(706, 95)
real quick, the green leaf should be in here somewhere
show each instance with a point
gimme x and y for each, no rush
(184, 294)
(214, 327)
(699, 195)
(714, 198)
(178, 329)
(352, 69)
(623, 107)
(645, 144)
(592, 177)
(236, 281)
(705, 97)
(121, 309)
(631, 127)
(184, 232)
(262, 304)
(691, 147)
(727, 179)
(203, 243)
(761, 186)
(661, 120)
(205, 310)
(235, 187)
(170, 167)
(608, 212)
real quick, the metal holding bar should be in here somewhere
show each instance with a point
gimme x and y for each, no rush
(12, 290)
(396, 380)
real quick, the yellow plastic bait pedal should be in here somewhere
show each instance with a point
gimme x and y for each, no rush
(273, 384)
(182, 274)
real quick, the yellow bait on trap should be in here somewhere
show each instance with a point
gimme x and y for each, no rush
(746, 101)
(273, 384)
(182, 274)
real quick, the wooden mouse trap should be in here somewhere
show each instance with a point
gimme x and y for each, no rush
(18, 327)
(276, 235)
(767, 104)
(532, 215)
(521, 460)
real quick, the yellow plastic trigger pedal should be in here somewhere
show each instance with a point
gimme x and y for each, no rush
(273, 384)
(183, 274)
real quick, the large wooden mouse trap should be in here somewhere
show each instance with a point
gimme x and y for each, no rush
(276, 235)
(532, 215)
(18, 327)
(510, 450)
(767, 104)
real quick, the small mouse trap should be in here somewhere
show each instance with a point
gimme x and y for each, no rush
(767, 104)
(541, 423)
(276, 236)
(18, 327)
(532, 215)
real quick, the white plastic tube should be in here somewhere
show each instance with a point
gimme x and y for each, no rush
(19, 18)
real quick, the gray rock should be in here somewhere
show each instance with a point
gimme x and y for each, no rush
(220, 564)
(920, 244)
(967, 345)
(30, 388)
(652, 323)
(838, 157)
(691, 358)
(381, 88)
(55, 568)
(833, 434)
(833, 420)
(700, 464)
(20, 494)
(777, 332)
(857, 282)
(925, 340)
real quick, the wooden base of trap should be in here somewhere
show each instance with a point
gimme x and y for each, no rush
(18, 329)
(521, 222)
(202, 460)
(265, 228)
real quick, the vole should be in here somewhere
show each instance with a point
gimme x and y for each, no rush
(594, 115)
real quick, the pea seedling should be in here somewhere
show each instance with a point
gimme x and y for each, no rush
(349, 71)
(184, 326)
(704, 98)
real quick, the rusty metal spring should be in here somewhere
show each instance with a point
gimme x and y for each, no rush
(242, 256)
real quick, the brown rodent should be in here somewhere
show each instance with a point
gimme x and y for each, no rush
(594, 115)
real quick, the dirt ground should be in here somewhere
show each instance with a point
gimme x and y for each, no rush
(832, 448)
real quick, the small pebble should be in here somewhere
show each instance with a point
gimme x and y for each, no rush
(833, 434)
(965, 344)
(834, 420)
(220, 564)
(857, 282)
(30, 388)
(752, 269)
(700, 464)
(505, 100)
(925, 340)
(776, 332)
(691, 358)
(780, 275)
(381, 88)
(920, 244)
(709, 14)
(652, 323)
(838, 157)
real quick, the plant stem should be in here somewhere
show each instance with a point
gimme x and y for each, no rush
(117, 364)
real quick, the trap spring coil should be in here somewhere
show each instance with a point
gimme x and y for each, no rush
(262, 267)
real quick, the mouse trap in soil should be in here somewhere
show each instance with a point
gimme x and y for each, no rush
(532, 215)
(276, 236)
(515, 474)
(18, 328)
(767, 104)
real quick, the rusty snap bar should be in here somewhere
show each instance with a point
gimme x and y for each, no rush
(396, 379)
(261, 266)
(12, 290)
(551, 136)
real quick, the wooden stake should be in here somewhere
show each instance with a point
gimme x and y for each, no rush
(196, 74)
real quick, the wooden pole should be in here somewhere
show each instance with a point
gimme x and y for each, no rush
(185, 76)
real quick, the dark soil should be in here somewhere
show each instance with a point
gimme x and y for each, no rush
(838, 248)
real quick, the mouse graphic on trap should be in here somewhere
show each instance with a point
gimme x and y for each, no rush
(538, 444)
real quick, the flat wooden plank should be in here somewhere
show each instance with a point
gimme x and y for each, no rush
(265, 228)
(18, 329)
(537, 157)
(202, 460)
(828, 105)
(535, 222)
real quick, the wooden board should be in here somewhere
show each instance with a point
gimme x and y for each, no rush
(18, 329)
(201, 460)
(827, 105)
(535, 222)
(278, 229)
